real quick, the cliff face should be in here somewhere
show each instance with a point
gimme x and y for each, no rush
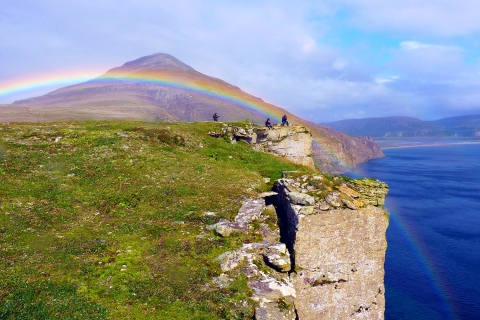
(333, 227)
(333, 145)
(335, 232)
(293, 143)
(324, 259)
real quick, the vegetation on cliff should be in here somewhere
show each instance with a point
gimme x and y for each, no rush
(107, 219)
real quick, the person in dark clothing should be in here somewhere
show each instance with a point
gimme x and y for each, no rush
(284, 120)
(268, 124)
(215, 117)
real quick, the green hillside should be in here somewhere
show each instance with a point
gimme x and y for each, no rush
(107, 219)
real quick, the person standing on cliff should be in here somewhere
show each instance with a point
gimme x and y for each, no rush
(215, 117)
(268, 124)
(284, 120)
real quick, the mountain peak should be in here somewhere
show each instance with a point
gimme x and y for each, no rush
(157, 61)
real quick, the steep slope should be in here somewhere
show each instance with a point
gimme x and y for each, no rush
(462, 126)
(161, 88)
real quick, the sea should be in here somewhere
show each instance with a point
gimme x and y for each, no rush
(432, 268)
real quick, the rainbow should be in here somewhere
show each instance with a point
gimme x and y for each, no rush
(35, 83)
(214, 88)
(420, 251)
(424, 258)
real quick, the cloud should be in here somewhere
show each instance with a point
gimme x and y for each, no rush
(319, 59)
(415, 45)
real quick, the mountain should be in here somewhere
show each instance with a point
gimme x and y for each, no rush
(462, 126)
(159, 87)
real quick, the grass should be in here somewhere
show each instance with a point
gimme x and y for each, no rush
(105, 219)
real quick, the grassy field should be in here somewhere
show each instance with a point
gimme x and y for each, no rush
(105, 220)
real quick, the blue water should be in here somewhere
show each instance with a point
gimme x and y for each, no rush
(432, 268)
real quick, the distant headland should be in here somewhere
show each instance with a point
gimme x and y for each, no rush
(467, 126)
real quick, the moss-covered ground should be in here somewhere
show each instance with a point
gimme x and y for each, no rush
(106, 220)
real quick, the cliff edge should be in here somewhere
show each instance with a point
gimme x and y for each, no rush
(335, 231)
(325, 257)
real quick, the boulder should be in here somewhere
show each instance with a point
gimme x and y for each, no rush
(301, 198)
(334, 199)
(278, 257)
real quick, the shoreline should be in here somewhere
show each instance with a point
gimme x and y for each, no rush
(430, 145)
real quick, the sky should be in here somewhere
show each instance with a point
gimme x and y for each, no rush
(323, 60)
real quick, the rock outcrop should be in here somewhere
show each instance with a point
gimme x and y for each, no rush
(324, 259)
(337, 243)
(291, 142)
(265, 264)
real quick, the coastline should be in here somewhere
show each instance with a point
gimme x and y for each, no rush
(423, 142)
(430, 145)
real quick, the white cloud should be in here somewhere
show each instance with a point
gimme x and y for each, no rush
(415, 45)
(276, 50)
(381, 80)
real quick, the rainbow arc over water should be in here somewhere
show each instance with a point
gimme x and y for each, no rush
(421, 252)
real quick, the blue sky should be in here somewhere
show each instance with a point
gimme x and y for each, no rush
(322, 60)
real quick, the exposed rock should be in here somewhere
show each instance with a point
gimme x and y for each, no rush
(277, 256)
(349, 204)
(273, 289)
(249, 212)
(275, 298)
(225, 228)
(231, 260)
(301, 198)
(373, 191)
(293, 143)
(341, 276)
(338, 254)
(307, 210)
(123, 135)
(267, 194)
(324, 206)
(334, 199)
(281, 309)
(348, 191)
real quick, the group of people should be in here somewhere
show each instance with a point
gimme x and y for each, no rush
(268, 124)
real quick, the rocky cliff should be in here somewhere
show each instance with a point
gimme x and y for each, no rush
(324, 256)
(291, 142)
(335, 230)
